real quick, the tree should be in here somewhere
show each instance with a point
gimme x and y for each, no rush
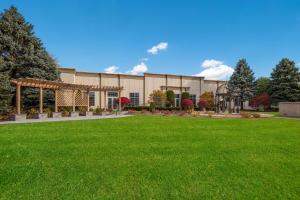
(209, 98)
(242, 82)
(158, 98)
(262, 85)
(170, 101)
(187, 104)
(185, 95)
(261, 101)
(203, 104)
(124, 101)
(24, 55)
(5, 90)
(285, 80)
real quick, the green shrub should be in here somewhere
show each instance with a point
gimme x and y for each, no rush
(185, 95)
(170, 102)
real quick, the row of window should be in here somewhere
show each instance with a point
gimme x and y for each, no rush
(134, 99)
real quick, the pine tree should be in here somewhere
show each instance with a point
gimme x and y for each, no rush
(262, 85)
(24, 55)
(242, 82)
(285, 82)
(5, 90)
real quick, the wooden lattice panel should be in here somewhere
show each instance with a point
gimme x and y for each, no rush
(65, 98)
(81, 98)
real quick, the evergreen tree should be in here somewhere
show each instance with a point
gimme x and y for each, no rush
(242, 82)
(24, 55)
(285, 82)
(5, 90)
(262, 85)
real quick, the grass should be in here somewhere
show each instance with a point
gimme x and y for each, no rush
(148, 157)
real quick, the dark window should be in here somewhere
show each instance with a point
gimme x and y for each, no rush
(92, 98)
(134, 99)
(193, 98)
(177, 100)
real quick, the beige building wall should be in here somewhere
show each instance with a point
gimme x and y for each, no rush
(153, 82)
(144, 85)
(132, 84)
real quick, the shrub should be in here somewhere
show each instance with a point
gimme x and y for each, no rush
(187, 104)
(124, 101)
(185, 95)
(261, 101)
(136, 108)
(170, 98)
(256, 115)
(152, 107)
(209, 98)
(98, 111)
(203, 104)
(48, 111)
(245, 114)
(158, 97)
(32, 113)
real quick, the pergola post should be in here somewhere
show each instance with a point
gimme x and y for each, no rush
(18, 99)
(120, 105)
(104, 100)
(56, 98)
(73, 100)
(41, 100)
(88, 101)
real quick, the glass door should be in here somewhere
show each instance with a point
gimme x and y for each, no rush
(112, 100)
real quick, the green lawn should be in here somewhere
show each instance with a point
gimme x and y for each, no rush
(148, 157)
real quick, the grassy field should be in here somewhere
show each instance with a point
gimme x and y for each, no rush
(146, 157)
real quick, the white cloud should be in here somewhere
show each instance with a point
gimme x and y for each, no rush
(138, 69)
(211, 63)
(161, 46)
(111, 70)
(215, 70)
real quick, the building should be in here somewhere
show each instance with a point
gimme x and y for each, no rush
(138, 87)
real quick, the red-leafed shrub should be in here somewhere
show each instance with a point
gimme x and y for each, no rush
(203, 104)
(260, 101)
(187, 104)
(124, 101)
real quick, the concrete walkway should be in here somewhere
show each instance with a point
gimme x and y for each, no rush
(65, 119)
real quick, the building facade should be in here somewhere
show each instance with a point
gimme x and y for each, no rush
(138, 88)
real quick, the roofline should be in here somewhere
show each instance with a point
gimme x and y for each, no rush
(145, 74)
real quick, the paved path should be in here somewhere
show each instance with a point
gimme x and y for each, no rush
(65, 119)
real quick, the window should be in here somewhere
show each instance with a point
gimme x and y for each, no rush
(92, 98)
(177, 100)
(193, 98)
(134, 99)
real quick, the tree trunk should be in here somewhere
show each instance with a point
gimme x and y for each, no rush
(242, 105)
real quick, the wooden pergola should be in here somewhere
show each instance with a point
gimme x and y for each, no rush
(79, 93)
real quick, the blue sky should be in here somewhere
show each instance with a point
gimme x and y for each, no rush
(193, 35)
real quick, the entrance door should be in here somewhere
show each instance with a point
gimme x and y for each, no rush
(112, 100)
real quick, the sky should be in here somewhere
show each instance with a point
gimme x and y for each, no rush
(187, 37)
